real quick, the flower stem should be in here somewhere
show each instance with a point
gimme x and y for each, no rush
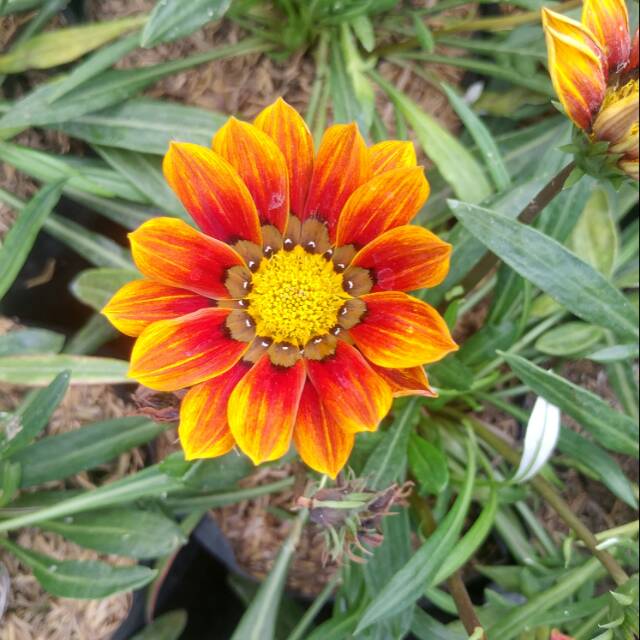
(546, 491)
(526, 216)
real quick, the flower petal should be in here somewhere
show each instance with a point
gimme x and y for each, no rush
(398, 331)
(341, 167)
(350, 390)
(634, 55)
(405, 258)
(139, 303)
(386, 201)
(392, 154)
(171, 252)
(262, 409)
(174, 354)
(290, 132)
(576, 66)
(406, 382)
(608, 20)
(212, 192)
(320, 441)
(204, 431)
(259, 162)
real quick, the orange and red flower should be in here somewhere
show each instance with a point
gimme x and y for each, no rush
(285, 315)
(594, 69)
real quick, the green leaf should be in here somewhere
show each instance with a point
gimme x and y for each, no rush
(595, 237)
(569, 339)
(173, 19)
(145, 125)
(33, 415)
(95, 287)
(423, 33)
(22, 234)
(408, 584)
(615, 353)
(482, 137)
(363, 28)
(552, 268)
(610, 428)
(167, 627)
(428, 465)
(425, 627)
(457, 166)
(483, 344)
(58, 47)
(29, 341)
(125, 532)
(39, 370)
(81, 579)
(63, 455)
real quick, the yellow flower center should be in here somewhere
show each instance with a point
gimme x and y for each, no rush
(295, 296)
(616, 94)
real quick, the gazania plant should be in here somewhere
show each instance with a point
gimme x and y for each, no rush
(285, 316)
(319, 320)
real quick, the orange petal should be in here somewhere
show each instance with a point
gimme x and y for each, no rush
(169, 251)
(320, 441)
(389, 200)
(405, 258)
(259, 162)
(634, 55)
(212, 192)
(139, 303)
(392, 154)
(285, 125)
(341, 167)
(608, 20)
(262, 409)
(174, 354)
(204, 431)
(350, 390)
(406, 382)
(399, 331)
(576, 66)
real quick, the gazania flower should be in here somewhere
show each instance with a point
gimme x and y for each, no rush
(285, 315)
(594, 69)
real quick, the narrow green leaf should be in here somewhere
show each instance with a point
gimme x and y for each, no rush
(482, 137)
(173, 19)
(14, 6)
(408, 584)
(423, 33)
(81, 579)
(125, 532)
(569, 339)
(28, 341)
(610, 428)
(615, 353)
(63, 455)
(167, 627)
(39, 370)
(363, 28)
(33, 415)
(458, 167)
(58, 47)
(22, 234)
(428, 465)
(425, 627)
(552, 268)
(95, 287)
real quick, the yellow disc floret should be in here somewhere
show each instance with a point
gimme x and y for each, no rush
(295, 296)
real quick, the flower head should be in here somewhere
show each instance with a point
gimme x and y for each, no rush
(285, 316)
(594, 69)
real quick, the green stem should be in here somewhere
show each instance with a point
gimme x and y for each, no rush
(305, 621)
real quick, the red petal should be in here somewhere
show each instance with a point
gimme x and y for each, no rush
(285, 125)
(341, 167)
(139, 303)
(389, 200)
(406, 382)
(212, 192)
(169, 251)
(350, 390)
(204, 431)
(392, 154)
(405, 258)
(635, 53)
(259, 162)
(398, 331)
(174, 354)
(608, 20)
(262, 409)
(320, 441)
